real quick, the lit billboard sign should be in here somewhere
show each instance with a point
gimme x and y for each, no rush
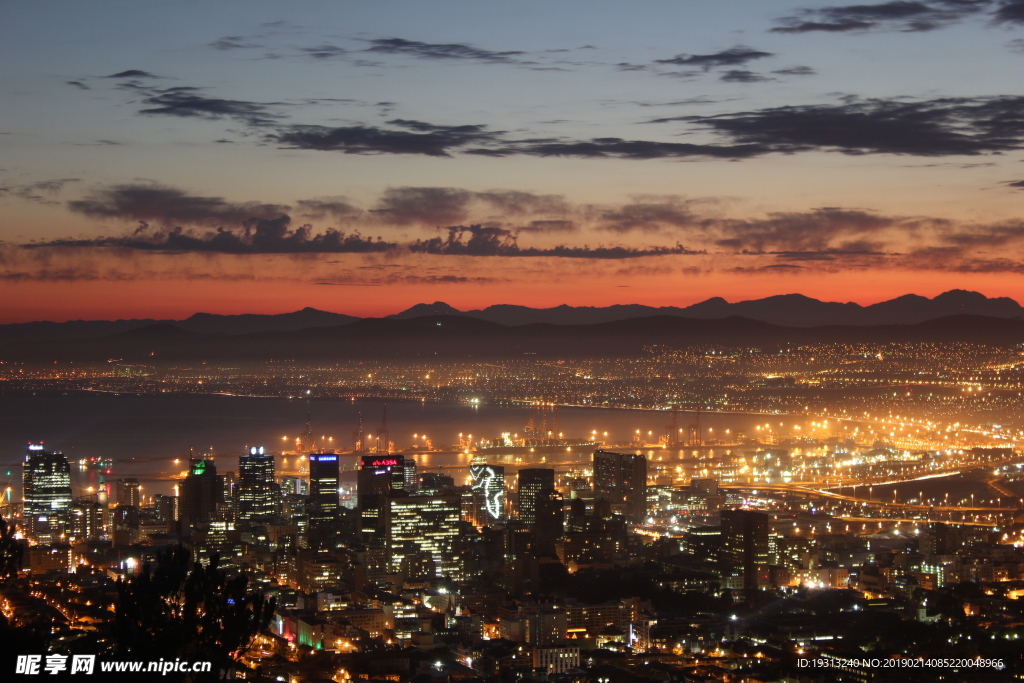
(372, 461)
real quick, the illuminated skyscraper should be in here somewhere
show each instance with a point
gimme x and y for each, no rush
(129, 492)
(378, 476)
(324, 479)
(533, 483)
(621, 479)
(411, 480)
(47, 493)
(201, 491)
(426, 526)
(86, 521)
(258, 495)
(747, 546)
(488, 493)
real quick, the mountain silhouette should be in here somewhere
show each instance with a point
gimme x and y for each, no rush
(788, 310)
(794, 310)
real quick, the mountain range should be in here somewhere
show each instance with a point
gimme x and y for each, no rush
(430, 338)
(794, 310)
(791, 310)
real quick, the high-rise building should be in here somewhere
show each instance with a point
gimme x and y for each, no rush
(258, 495)
(434, 482)
(747, 546)
(488, 494)
(167, 508)
(621, 479)
(47, 493)
(129, 492)
(550, 519)
(201, 492)
(533, 483)
(377, 477)
(425, 526)
(86, 519)
(324, 485)
(291, 486)
(411, 480)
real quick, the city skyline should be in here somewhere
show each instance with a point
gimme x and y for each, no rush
(163, 160)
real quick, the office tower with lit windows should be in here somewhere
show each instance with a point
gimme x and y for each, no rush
(258, 495)
(86, 520)
(621, 479)
(294, 486)
(377, 478)
(533, 483)
(167, 509)
(424, 531)
(201, 492)
(747, 546)
(47, 493)
(487, 490)
(129, 492)
(324, 484)
(411, 479)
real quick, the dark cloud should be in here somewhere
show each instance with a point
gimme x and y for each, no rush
(132, 73)
(78, 84)
(549, 226)
(693, 100)
(398, 206)
(743, 76)
(169, 206)
(828, 239)
(423, 205)
(39, 192)
(900, 15)
(516, 203)
(812, 231)
(1016, 45)
(439, 141)
(337, 207)
(436, 206)
(455, 51)
(234, 43)
(987, 236)
(257, 236)
(443, 279)
(1010, 12)
(736, 56)
(476, 240)
(626, 66)
(189, 103)
(796, 71)
(948, 126)
(273, 236)
(325, 51)
(423, 127)
(831, 27)
(647, 215)
(823, 254)
(606, 148)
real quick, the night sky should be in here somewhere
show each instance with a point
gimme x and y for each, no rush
(163, 158)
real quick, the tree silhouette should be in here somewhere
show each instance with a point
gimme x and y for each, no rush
(16, 637)
(181, 608)
(11, 552)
